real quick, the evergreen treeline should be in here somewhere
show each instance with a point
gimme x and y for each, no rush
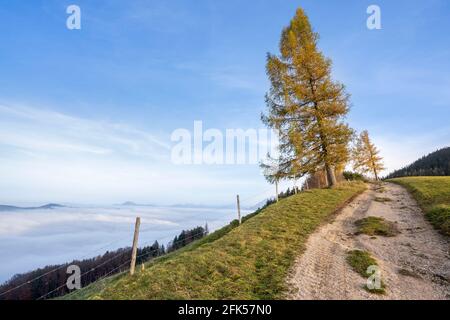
(289, 192)
(112, 262)
(284, 194)
(186, 237)
(434, 164)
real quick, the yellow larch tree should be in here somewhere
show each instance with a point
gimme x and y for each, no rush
(305, 105)
(366, 156)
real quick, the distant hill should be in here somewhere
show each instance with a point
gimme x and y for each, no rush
(434, 164)
(14, 208)
(129, 203)
(134, 204)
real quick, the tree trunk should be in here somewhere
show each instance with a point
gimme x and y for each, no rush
(331, 176)
(376, 174)
(373, 165)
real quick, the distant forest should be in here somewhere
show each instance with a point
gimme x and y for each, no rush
(37, 283)
(434, 164)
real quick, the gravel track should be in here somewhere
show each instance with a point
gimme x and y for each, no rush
(414, 264)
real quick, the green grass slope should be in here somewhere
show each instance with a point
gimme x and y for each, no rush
(433, 195)
(246, 262)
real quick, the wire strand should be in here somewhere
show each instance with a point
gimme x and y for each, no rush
(101, 248)
(122, 253)
(27, 282)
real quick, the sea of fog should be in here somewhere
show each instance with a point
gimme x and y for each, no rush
(30, 239)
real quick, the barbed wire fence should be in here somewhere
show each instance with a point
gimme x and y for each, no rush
(127, 262)
(51, 294)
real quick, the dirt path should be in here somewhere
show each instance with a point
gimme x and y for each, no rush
(322, 272)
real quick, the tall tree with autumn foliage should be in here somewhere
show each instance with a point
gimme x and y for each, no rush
(306, 105)
(366, 156)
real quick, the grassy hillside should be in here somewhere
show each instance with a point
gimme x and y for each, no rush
(433, 195)
(246, 262)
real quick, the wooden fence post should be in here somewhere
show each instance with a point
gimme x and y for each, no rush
(276, 189)
(135, 242)
(239, 209)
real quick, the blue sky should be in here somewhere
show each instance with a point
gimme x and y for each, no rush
(86, 115)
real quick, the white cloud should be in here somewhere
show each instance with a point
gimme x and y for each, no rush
(52, 157)
(30, 128)
(33, 239)
(17, 223)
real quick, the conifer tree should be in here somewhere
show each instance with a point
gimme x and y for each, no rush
(366, 156)
(305, 105)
